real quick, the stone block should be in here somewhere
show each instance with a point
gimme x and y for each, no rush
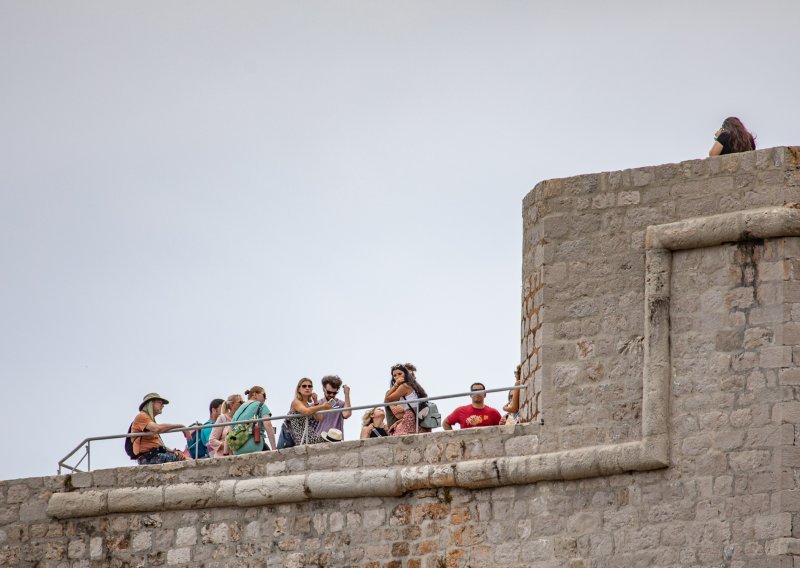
(756, 337)
(522, 445)
(781, 546)
(133, 499)
(141, 541)
(76, 549)
(773, 526)
(786, 412)
(185, 537)
(789, 376)
(179, 556)
(96, 547)
(791, 333)
(17, 494)
(776, 357)
(81, 480)
(33, 510)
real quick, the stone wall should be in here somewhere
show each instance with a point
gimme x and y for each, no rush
(660, 339)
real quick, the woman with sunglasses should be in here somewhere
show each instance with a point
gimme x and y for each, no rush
(404, 389)
(304, 426)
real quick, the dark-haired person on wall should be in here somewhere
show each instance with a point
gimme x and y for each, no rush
(475, 414)
(204, 450)
(330, 388)
(150, 450)
(732, 137)
(405, 390)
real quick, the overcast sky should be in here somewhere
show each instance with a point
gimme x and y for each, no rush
(199, 197)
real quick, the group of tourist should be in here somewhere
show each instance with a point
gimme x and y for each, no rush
(308, 423)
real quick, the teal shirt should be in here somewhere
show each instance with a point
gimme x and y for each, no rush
(248, 412)
(205, 434)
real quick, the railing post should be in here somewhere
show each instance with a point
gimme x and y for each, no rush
(89, 455)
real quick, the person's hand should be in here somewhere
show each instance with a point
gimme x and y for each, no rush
(399, 381)
(503, 421)
(518, 373)
(718, 132)
(314, 397)
(346, 389)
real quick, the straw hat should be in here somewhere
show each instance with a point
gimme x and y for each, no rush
(152, 396)
(332, 435)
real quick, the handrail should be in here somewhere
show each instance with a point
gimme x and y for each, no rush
(87, 441)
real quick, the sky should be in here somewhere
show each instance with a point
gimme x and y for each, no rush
(199, 197)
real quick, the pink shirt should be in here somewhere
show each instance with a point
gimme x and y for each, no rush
(217, 444)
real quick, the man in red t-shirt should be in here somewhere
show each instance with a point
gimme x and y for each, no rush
(475, 414)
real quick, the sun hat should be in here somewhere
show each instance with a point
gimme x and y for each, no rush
(152, 396)
(332, 435)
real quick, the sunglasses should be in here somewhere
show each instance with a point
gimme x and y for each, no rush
(331, 392)
(306, 386)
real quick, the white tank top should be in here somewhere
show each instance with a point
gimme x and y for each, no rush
(412, 396)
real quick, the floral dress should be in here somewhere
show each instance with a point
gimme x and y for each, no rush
(408, 423)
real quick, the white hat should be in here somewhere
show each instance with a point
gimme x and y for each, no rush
(332, 435)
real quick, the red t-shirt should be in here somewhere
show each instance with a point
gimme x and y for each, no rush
(470, 417)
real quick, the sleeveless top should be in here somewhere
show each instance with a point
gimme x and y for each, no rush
(411, 397)
(378, 433)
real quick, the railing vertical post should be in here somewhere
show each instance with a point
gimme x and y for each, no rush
(89, 456)
(416, 418)
(196, 444)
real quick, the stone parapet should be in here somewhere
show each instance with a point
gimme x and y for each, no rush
(660, 339)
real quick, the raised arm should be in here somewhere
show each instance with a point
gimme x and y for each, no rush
(398, 391)
(347, 413)
(716, 148)
(513, 405)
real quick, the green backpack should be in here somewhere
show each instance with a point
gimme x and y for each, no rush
(239, 435)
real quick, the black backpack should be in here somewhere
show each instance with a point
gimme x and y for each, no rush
(129, 445)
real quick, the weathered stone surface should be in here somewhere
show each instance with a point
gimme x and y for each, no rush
(671, 349)
(131, 499)
(87, 503)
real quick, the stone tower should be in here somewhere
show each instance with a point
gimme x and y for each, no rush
(660, 340)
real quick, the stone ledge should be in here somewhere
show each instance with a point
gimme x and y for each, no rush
(382, 482)
(652, 452)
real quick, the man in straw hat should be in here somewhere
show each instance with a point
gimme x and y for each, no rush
(150, 449)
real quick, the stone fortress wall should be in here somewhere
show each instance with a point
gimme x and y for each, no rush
(660, 340)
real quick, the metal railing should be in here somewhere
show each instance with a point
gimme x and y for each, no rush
(86, 443)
